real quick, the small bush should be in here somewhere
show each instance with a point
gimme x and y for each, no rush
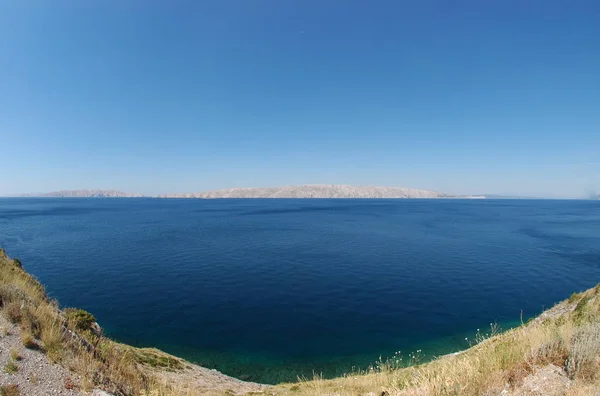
(79, 319)
(52, 338)
(574, 297)
(9, 390)
(11, 367)
(30, 322)
(11, 293)
(17, 263)
(581, 304)
(554, 352)
(54, 350)
(14, 355)
(584, 351)
(27, 340)
(13, 312)
(582, 311)
(156, 360)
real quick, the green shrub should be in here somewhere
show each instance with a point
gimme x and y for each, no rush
(79, 319)
(17, 262)
(11, 367)
(574, 297)
(158, 361)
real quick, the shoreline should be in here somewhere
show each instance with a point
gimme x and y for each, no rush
(144, 365)
(76, 343)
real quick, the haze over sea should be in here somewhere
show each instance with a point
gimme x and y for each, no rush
(271, 289)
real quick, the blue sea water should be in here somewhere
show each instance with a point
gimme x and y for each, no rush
(270, 290)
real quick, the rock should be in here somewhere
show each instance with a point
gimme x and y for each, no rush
(100, 392)
(97, 330)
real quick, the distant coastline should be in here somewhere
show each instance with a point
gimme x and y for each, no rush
(309, 191)
(83, 194)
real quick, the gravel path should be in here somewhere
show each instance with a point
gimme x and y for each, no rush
(36, 376)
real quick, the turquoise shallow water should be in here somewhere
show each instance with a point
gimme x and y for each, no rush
(271, 289)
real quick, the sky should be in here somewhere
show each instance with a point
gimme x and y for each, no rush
(462, 97)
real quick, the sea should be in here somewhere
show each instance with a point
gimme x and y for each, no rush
(270, 290)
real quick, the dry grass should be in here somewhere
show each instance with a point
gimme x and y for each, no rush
(33, 378)
(27, 340)
(13, 312)
(570, 341)
(583, 360)
(14, 355)
(9, 390)
(11, 367)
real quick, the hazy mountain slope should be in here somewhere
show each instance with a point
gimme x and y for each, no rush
(314, 191)
(87, 194)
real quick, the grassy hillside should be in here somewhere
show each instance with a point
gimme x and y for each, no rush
(564, 341)
(565, 338)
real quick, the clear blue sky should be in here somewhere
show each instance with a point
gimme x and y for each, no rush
(180, 96)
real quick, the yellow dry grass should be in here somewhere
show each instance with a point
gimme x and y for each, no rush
(570, 340)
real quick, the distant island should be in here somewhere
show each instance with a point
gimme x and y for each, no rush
(314, 191)
(318, 191)
(303, 191)
(85, 194)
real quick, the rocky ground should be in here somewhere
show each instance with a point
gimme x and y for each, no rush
(546, 381)
(196, 379)
(31, 371)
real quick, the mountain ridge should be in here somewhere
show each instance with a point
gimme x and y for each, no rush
(85, 194)
(313, 191)
(306, 191)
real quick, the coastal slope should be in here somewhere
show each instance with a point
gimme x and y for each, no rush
(48, 350)
(557, 353)
(314, 191)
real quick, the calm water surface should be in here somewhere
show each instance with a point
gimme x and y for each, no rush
(271, 289)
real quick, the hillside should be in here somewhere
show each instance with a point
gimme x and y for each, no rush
(64, 350)
(47, 350)
(314, 191)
